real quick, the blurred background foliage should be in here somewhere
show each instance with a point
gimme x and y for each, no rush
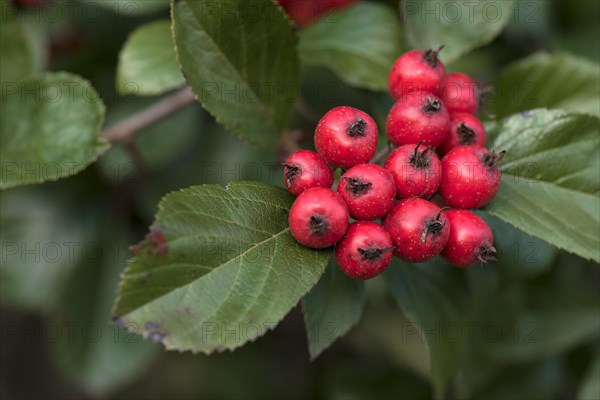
(57, 340)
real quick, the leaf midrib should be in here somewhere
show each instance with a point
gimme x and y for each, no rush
(268, 111)
(530, 180)
(213, 269)
(549, 216)
(256, 295)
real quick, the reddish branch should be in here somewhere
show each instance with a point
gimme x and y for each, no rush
(124, 131)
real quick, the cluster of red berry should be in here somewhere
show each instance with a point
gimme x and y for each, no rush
(433, 116)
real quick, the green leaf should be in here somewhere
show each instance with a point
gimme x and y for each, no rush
(548, 80)
(133, 8)
(590, 386)
(550, 178)
(435, 298)
(552, 319)
(533, 320)
(56, 261)
(16, 62)
(218, 268)
(459, 26)
(148, 63)
(331, 308)
(97, 356)
(520, 256)
(398, 342)
(241, 64)
(469, 319)
(49, 129)
(359, 43)
(42, 242)
(528, 321)
(540, 380)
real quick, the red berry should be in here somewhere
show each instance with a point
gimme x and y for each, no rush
(470, 239)
(418, 229)
(304, 12)
(346, 137)
(306, 169)
(470, 176)
(416, 70)
(368, 190)
(459, 93)
(416, 117)
(465, 130)
(417, 173)
(364, 251)
(318, 218)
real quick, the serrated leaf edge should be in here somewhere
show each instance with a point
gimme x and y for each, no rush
(102, 143)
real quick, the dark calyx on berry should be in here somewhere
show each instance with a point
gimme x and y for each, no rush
(433, 226)
(317, 225)
(421, 159)
(492, 159)
(373, 253)
(357, 186)
(431, 57)
(357, 128)
(432, 105)
(466, 135)
(291, 172)
(487, 253)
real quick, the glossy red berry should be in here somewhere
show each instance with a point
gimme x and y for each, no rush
(416, 169)
(418, 117)
(470, 176)
(318, 218)
(368, 190)
(416, 70)
(459, 93)
(470, 240)
(306, 169)
(418, 229)
(465, 130)
(346, 137)
(364, 251)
